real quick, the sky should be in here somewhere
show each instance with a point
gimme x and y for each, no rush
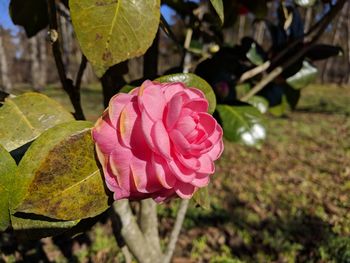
(5, 20)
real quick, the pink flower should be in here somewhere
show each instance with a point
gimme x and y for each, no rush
(157, 141)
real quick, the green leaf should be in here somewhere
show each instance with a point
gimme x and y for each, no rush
(112, 31)
(305, 3)
(25, 117)
(34, 229)
(202, 198)
(219, 8)
(126, 89)
(30, 14)
(254, 56)
(60, 178)
(280, 109)
(260, 103)
(305, 76)
(192, 80)
(7, 172)
(242, 124)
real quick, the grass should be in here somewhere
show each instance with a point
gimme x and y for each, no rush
(286, 202)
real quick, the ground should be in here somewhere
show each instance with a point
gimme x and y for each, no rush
(286, 202)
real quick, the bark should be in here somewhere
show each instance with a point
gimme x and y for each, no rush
(43, 59)
(259, 32)
(241, 27)
(149, 224)
(130, 233)
(335, 39)
(34, 64)
(5, 82)
(308, 19)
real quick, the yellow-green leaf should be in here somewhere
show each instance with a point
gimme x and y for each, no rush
(25, 117)
(112, 31)
(202, 198)
(33, 229)
(7, 172)
(219, 8)
(60, 178)
(192, 80)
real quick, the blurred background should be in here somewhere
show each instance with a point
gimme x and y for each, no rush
(286, 200)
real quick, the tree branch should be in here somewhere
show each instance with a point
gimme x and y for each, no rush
(81, 71)
(67, 84)
(313, 35)
(176, 230)
(132, 235)
(149, 223)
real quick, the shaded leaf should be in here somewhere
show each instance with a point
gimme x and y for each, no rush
(305, 76)
(192, 80)
(292, 96)
(281, 108)
(254, 56)
(7, 172)
(112, 31)
(323, 51)
(25, 117)
(202, 198)
(126, 89)
(32, 15)
(35, 228)
(219, 8)
(59, 175)
(260, 103)
(305, 3)
(242, 124)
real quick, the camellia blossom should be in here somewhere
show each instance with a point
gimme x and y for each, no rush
(157, 141)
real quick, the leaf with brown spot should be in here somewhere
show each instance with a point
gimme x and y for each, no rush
(25, 117)
(112, 31)
(60, 176)
(7, 171)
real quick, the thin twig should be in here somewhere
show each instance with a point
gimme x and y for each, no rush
(67, 84)
(167, 30)
(81, 71)
(315, 35)
(254, 71)
(176, 231)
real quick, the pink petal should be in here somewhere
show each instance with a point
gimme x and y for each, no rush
(104, 134)
(116, 105)
(171, 89)
(151, 99)
(147, 125)
(195, 93)
(161, 169)
(161, 139)
(186, 125)
(189, 162)
(184, 190)
(180, 142)
(173, 111)
(201, 180)
(163, 195)
(181, 172)
(216, 151)
(119, 162)
(206, 165)
(207, 122)
(127, 120)
(198, 105)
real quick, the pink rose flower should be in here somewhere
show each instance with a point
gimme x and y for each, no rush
(157, 141)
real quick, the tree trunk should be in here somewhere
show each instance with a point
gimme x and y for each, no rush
(43, 59)
(34, 64)
(5, 82)
(241, 27)
(335, 38)
(308, 19)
